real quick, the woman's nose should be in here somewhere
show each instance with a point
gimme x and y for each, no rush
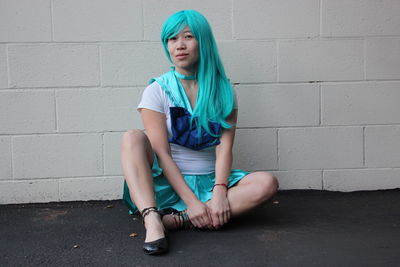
(180, 44)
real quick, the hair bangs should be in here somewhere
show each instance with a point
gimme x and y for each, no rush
(172, 27)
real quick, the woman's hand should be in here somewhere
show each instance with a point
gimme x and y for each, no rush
(219, 207)
(199, 214)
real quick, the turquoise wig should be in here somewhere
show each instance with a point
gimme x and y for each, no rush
(215, 99)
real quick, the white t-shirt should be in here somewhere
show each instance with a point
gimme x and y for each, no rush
(189, 161)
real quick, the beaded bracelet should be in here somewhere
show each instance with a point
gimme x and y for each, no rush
(221, 185)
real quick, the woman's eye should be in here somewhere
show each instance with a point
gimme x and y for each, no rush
(189, 36)
(172, 38)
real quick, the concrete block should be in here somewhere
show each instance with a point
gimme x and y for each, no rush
(256, 63)
(360, 17)
(255, 149)
(275, 19)
(299, 179)
(364, 179)
(54, 65)
(278, 105)
(3, 67)
(383, 58)
(360, 103)
(25, 21)
(132, 64)
(320, 148)
(27, 111)
(46, 156)
(91, 188)
(382, 146)
(85, 20)
(218, 14)
(5, 158)
(16, 192)
(321, 60)
(112, 153)
(98, 109)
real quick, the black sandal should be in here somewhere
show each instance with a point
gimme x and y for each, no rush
(181, 219)
(158, 246)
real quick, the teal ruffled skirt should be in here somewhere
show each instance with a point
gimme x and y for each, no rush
(201, 185)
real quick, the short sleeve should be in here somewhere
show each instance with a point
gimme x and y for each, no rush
(152, 98)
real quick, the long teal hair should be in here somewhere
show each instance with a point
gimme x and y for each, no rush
(215, 100)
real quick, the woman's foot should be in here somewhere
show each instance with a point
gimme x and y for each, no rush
(154, 227)
(155, 241)
(170, 221)
(174, 220)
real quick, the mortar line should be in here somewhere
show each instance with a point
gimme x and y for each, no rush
(277, 50)
(103, 154)
(8, 66)
(365, 58)
(142, 18)
(364, 146)
(233, 24)
(320, 104)
(322, 179)
(12, 158)
(59, 133)
(339, 169)
(52, 20)
(59, 186)
(100, 65)
(55, 111)
(88, 42)
(277, 148)
(61, 178)
(140, 86)
(239, 128)
(350, 38)
(320, 18)
(115, 175)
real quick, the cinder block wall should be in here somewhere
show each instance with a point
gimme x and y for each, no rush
(318, 84)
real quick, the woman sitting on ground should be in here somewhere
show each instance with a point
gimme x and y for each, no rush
(178, 172)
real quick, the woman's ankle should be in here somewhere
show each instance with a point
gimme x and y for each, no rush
(154, 227)
(177, 221)
(170, 221)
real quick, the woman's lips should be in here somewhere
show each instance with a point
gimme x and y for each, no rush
(182, 56)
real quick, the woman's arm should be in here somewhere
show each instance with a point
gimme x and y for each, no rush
(224, 158)
(156, 130)
(219, 205)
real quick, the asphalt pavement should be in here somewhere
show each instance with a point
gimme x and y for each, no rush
(296, 228)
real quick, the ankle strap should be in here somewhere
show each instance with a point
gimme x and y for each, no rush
(183, 221)
(146, 211)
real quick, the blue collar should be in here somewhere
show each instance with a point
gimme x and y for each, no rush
(184, 77)
(174, 89)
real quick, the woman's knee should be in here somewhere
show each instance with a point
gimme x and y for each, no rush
(267, 185)
(133, 138)
(136, 148)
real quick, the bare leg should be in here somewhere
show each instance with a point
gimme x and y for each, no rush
(250, 192)
(137, 157)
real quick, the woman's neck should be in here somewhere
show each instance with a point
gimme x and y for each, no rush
(189, 84)
(185, 74)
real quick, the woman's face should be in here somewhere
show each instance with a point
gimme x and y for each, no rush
(184, 51)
